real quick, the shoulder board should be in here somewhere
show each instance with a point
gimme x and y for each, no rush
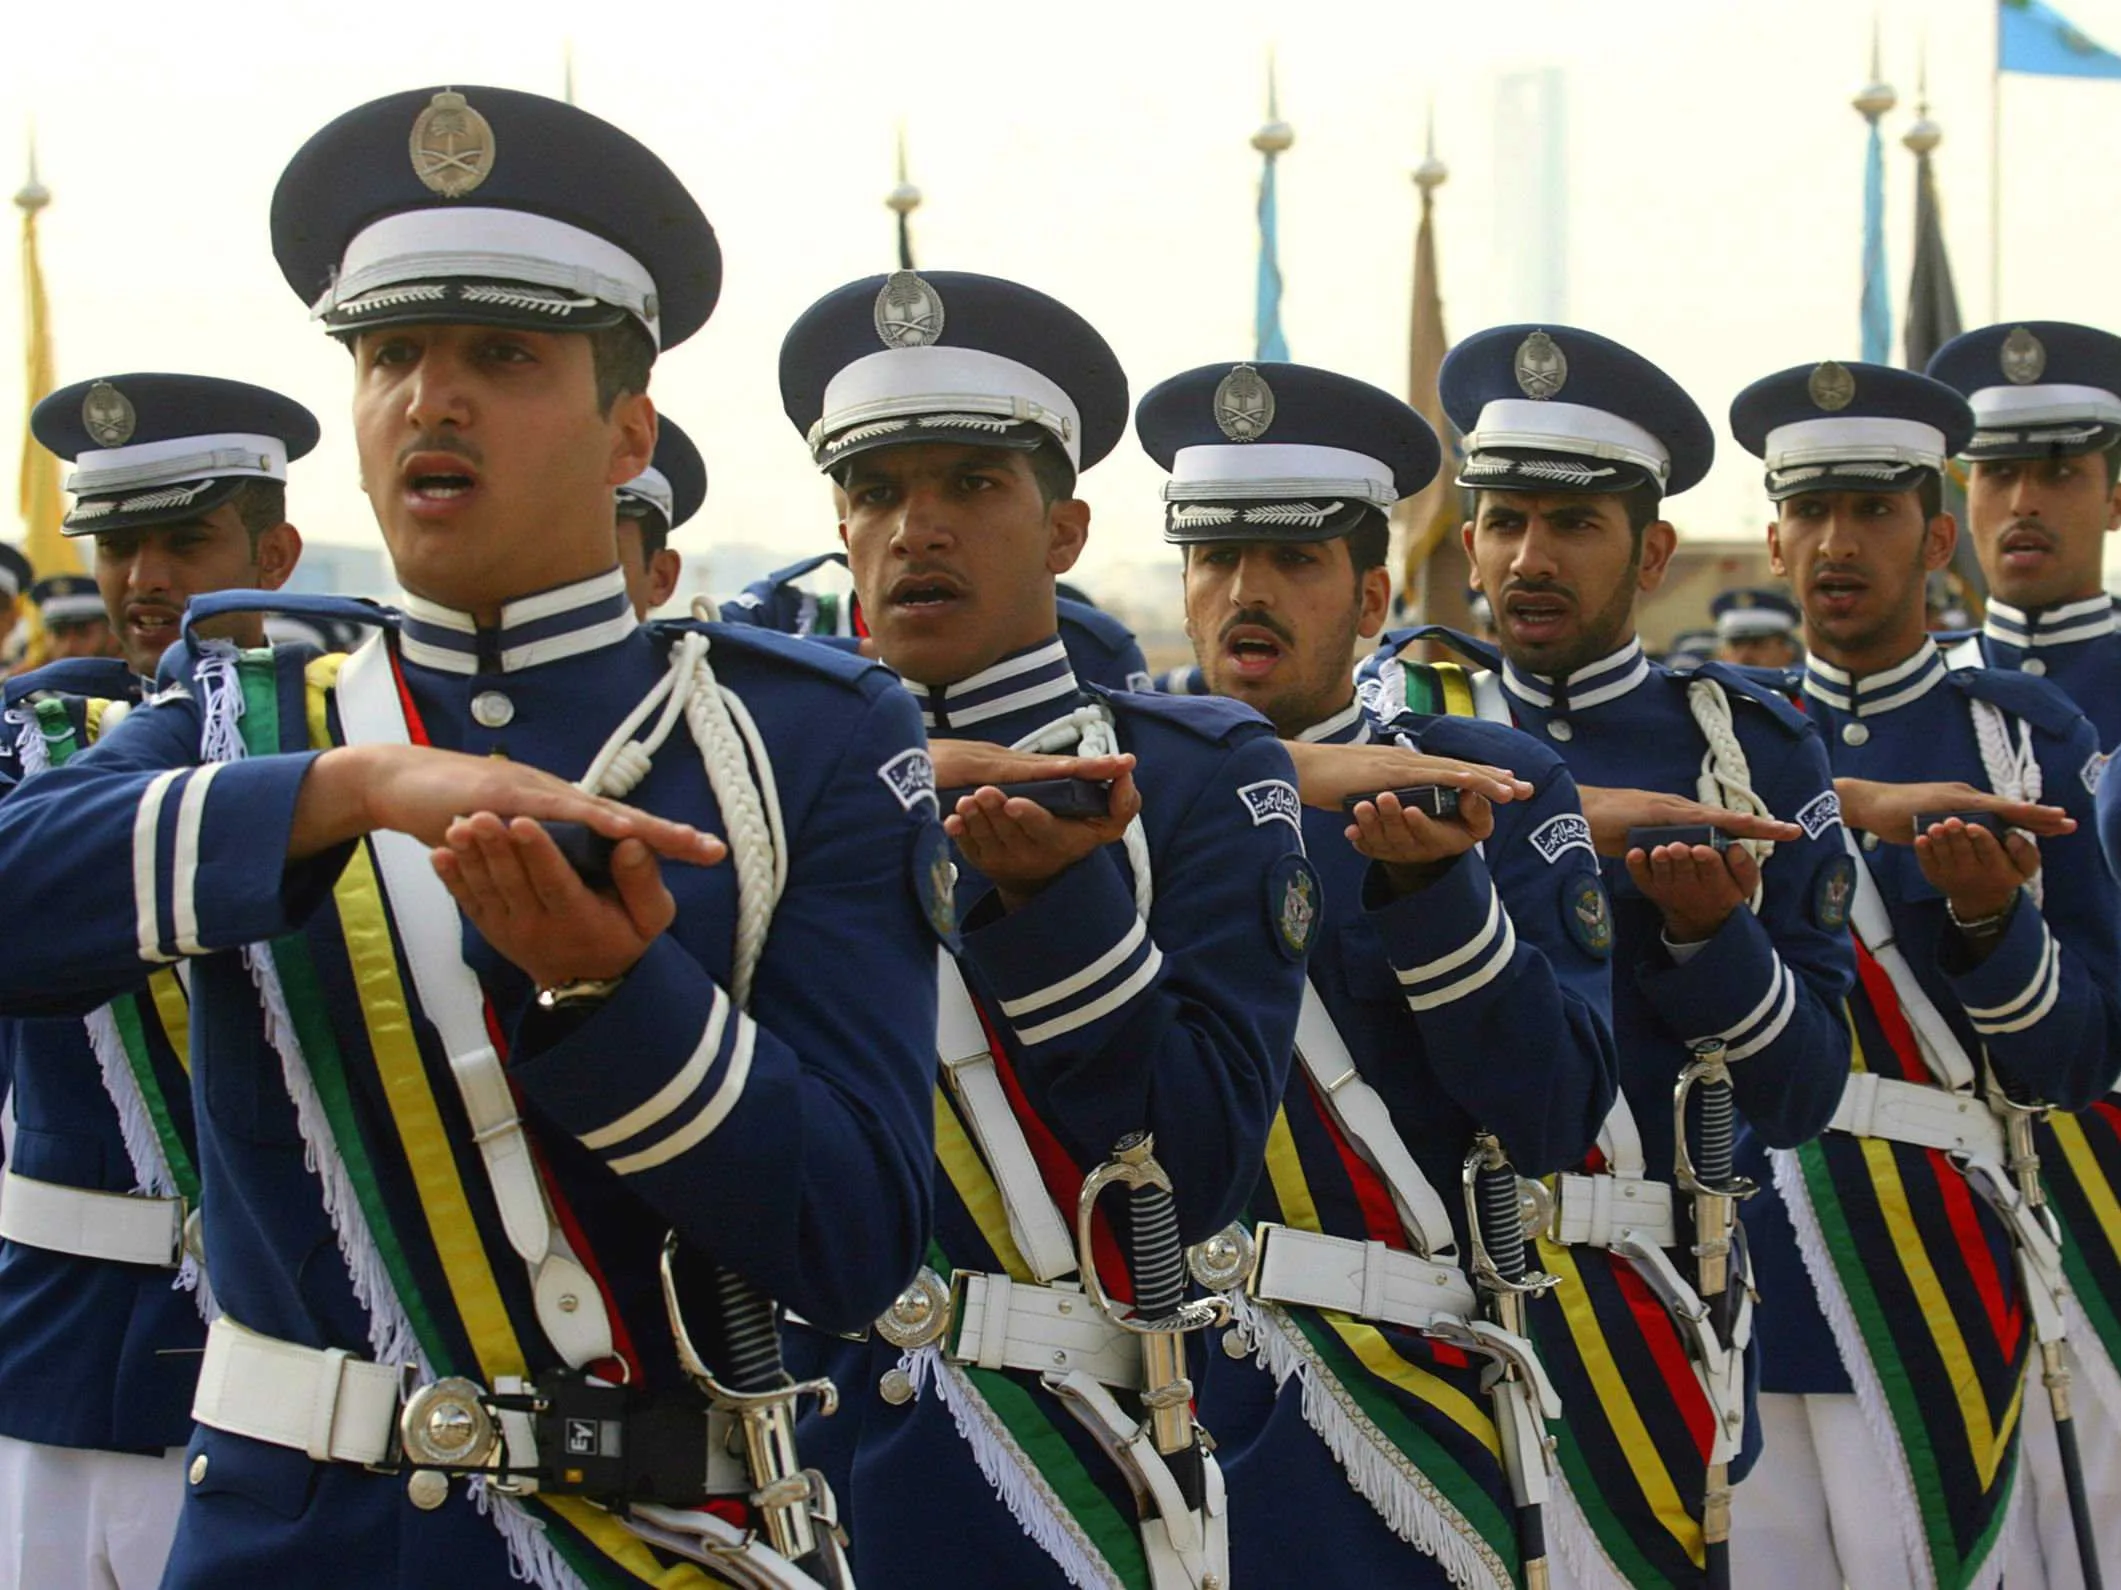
(1216, 719)
(294, 604)
(1478, 652)
(1094, 622)
(774, 649)
(1767, 688)
(2038, 701)
(106, 678)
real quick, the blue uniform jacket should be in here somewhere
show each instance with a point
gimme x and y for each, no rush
(814, 1182)
(1512, 1036)
(1101, 649)
(93, 1354)
(2069, 1055)
(1185, 1028)
(2075, 647)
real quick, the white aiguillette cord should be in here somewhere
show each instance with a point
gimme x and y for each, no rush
(570, 1309)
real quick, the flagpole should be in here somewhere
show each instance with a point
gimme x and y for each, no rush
(1995, 177)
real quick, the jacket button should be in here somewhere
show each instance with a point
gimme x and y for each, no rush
(492, 710)
(197, 1471)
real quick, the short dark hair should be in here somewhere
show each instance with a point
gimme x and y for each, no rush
(622, 356)
(655, 529)
(2112, 455)
(1052, 471)
(1644, 506)
(1369, 542)
(1929, 494)
(261, 505)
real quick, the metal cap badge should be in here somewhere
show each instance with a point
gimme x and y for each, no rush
(2022, 356)
(1244, 405)
(108, 414)
(909, 312)
(452, 145)
(1832, 388)
(1542, 368)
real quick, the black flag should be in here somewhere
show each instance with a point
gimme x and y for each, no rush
(1932, 302)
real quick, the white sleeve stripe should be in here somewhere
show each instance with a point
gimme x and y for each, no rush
(147, 824)
(1773, 1030)
(1752, 1018)
(184, 861)
(1142, 976)
(1490, 969)
(1429, 971)
(2052, 991)
(672, 1093)
(1054, 993)
(716, 1110)
(2031, 989)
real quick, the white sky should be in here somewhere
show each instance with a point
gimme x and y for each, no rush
(1097, 150)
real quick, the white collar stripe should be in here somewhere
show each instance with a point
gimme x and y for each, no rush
(1336, 727)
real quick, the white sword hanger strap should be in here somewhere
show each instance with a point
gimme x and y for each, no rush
(569, 1307)
(1619, 1140)
(1359, 1112)
(1042, 1236)
(1941, 1051)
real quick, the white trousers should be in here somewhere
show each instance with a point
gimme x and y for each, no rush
(78, 1520)
(1813, 1511)
(2046, 1555)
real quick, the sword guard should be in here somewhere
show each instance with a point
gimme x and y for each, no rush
(1133, 1164)
(1707, 1070)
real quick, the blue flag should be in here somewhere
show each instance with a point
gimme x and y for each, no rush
(1268, 341)
(1877, 295)
(2034, 38)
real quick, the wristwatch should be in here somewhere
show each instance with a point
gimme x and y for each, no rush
(578, 993)
(1982, 927)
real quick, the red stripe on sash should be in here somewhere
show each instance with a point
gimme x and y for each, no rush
(1653, 1323)
(1057, 1170)
(1892, 1021)
(1379, 1218)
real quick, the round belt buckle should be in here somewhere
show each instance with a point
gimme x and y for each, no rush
(446, 1426)
(1224, 1260)
(919, 1315)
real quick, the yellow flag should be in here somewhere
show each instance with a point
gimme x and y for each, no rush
(1433, 564)
(49, 551)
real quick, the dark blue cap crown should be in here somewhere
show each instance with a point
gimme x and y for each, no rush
(1849, 427)
(2038, 388)
(1554, 408)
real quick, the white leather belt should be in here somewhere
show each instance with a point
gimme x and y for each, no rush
(326, 1402)
(1916, 1113)
(1365, 1279)
(1047, 1330)
(1591, 1211)
(92, 1225)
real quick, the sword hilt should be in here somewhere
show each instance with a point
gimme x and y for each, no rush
(1495, 1215)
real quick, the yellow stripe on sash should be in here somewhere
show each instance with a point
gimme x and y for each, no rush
(2091, 1179)
(1620, 1411)
(1292, 1192)
(1457, 690)
(1985, 1441)
(472, 1284)
(173, 1010)
(976, 1189)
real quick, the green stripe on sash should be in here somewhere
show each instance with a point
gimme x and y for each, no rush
(139, 1058)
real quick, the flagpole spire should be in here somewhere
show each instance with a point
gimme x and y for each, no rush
(902, 201)
(567, 70)
(1273, 140)
(37, 482)
(1871, 103)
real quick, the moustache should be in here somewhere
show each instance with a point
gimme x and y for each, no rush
(439, 442)
(1254, 619)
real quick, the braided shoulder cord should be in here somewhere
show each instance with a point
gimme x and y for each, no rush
(1726, 777)
(2013, 771)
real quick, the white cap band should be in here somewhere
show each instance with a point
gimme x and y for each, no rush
(2039, 405)
(1746, 623)
(476, 244)
(180, 458)
(939, 383)
(1865, 438)
(1236, 471)
(1568, 428)
(653, 487)
(74, 609)
(10, 584)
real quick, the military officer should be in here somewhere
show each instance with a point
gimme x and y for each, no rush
(653, 504)
(815, 597)
(2043, 494)
(453, 1095)
(75, 624)
(1459, 987)
(16, 577)
(1756, 627)
(1134, 965)
(1573, 442)
(1897, 1352)
(181, 482)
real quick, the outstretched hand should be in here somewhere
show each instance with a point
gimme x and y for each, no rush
(1611, 812)
(1022, 847)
